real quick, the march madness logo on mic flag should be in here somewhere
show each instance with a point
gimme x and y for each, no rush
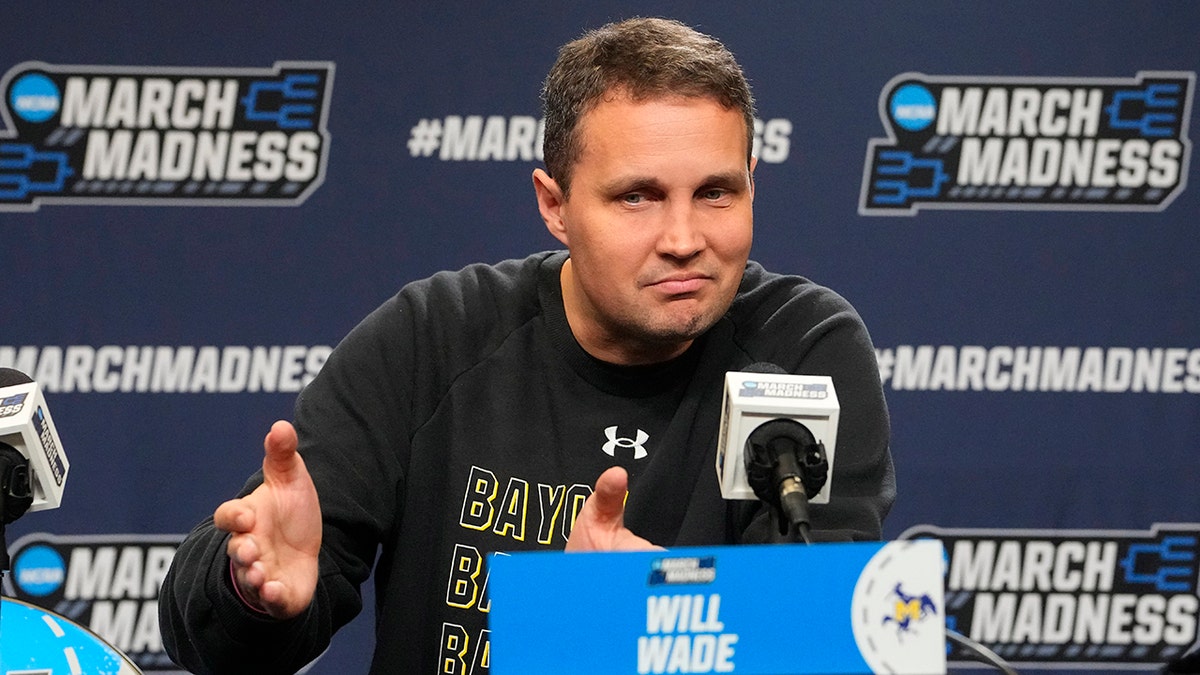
(163, 136)
(11, 405)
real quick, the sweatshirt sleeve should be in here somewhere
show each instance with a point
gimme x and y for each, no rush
(351, 423)
(208, 629)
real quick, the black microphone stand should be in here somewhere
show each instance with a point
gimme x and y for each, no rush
(15, 496)
(784, 465)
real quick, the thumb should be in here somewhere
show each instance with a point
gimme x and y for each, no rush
(280, 461)
(608, 498)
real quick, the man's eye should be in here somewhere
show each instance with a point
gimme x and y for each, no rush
(633, 198)
(714, 193)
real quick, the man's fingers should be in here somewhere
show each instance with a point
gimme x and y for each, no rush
(272, 593)
(234, 516)
(243, 550)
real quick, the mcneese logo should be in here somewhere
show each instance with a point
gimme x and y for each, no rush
(1029, 143)
(1072, 599)
(163, 136)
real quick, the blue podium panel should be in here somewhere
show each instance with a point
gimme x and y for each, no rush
(825, 608)
(35, 640)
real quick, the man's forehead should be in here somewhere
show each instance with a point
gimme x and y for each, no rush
(621, 102)
(622, 94)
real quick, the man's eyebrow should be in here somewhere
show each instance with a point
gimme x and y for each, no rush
(728, 178)
(637, 183)
(624, 184)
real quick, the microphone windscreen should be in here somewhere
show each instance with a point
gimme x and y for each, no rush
(764, 367)
(10, 377)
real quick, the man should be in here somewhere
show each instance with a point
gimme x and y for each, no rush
(470, 413)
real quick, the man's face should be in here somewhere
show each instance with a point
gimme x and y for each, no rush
(658, 224)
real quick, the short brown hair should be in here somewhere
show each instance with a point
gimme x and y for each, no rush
(643, 58)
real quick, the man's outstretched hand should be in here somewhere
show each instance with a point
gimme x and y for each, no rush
(600, 525)
(276, 531)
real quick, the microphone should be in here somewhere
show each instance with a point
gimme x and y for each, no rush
(777, 441)
(40, 472)
(33, 470)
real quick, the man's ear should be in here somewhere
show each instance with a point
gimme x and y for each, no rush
(550, 204)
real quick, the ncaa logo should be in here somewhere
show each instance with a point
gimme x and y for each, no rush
(614, 442)
(34, 97)
(39, 571)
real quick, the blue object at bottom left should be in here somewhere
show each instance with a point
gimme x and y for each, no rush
(35, 640)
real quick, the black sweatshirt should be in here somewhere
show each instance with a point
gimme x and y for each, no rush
(461, 417)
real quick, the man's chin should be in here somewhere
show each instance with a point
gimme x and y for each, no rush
(679, 330)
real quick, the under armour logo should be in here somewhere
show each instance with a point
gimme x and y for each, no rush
(610, 448)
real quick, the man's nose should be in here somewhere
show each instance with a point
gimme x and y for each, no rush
(682, 236)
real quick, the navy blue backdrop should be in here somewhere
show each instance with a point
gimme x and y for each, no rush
(1037, 334)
